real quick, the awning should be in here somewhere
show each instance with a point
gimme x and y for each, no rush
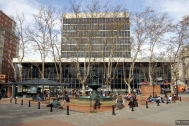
(40, 81)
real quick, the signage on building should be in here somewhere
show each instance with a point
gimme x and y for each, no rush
(19, 88)
(33, 89)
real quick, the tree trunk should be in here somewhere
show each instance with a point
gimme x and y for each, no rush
(172, 88)
(83, 90)
(129, 88)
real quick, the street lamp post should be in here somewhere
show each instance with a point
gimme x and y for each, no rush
(163, 91)
(176, 85)
(31, 72)
(152, 82)
(133, 81)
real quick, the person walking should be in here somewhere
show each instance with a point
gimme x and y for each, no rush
(48, 94)
(116, 102)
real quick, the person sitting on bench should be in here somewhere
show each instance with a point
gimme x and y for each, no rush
(150, 99)
(51, 104)
(39, 98)
(56, 103)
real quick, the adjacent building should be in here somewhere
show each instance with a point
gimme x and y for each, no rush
(8, 44)
(8, 51)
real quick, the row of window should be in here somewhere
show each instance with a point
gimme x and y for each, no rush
(92, 34)
(103, 41)
(95, 54)
(95, 20)
(87, 47)
(5, 19)
(68, 27)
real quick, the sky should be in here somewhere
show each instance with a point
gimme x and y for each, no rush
(176, 9)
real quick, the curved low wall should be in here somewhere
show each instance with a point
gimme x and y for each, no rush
(101, 98)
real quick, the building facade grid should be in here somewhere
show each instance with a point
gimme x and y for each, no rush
(96, 37)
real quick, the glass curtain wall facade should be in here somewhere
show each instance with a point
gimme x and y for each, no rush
(96, 35)
(140, 75)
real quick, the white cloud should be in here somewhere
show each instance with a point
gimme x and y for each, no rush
(177, 9)
(174, 8)
(27, 7)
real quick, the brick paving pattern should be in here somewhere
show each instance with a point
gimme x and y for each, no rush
(21, 115)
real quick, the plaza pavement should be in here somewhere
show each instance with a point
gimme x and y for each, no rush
(12, 114)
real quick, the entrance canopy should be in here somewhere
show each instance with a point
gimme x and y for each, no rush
(40, 81)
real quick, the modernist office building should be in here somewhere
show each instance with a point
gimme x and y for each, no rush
(102, 35)
(96, 36)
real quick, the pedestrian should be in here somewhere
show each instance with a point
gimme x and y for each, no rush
(98, 103)
(48, 93)
(95, 105)
(39, 98)
(45, 93)
(116, 102)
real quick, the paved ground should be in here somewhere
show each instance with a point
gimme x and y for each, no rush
(12, 114)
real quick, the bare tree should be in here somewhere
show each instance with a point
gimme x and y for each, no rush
(41, 34)
(80, 33)
(21, 31)
(114, 42)
(139, 35)
(156, 27)
(177, 42)
(91, 41)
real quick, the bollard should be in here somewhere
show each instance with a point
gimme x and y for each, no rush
(51, 108)
(113, 112)
(39, 105)
(67, 110)
(146, 104)
(22, 102)
(10, 100)
(29, 104)
(132, 107)
(180, 98)
(15, 101)
(158, 103)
